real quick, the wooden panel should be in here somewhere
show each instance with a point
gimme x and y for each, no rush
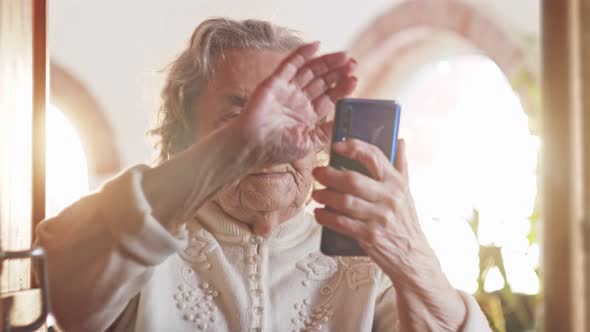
(565, 100)
(40, 79)
(15, 137)
(584, 39)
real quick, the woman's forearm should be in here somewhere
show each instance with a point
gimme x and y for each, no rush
(189, 179)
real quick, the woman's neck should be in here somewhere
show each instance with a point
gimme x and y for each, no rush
(262, 223)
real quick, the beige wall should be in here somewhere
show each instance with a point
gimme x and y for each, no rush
(117, 47)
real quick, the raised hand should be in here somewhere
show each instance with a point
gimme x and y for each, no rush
(379, 213)
(287, 113)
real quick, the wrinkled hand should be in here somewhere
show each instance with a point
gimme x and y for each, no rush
(286, 114)
(379, 213)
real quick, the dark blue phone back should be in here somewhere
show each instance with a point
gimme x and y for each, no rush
(370, 120)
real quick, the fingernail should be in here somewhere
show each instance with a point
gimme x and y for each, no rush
(353, 60)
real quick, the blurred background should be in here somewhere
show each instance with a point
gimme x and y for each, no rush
(460, 69)
(466, 72)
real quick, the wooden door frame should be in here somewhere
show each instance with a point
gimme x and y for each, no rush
(40, 97)
(565, 164)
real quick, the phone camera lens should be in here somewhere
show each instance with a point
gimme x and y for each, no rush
(347, 113)
(346, 121)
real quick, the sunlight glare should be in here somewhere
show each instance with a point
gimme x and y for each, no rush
(494, 281)
(67, 169)
(469, 147)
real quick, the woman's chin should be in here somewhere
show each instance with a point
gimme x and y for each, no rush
(267, 193)
(267, 199)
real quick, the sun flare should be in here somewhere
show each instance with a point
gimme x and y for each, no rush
(469, 147)
(67, 168)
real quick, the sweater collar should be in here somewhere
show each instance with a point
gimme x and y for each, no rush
(226, 228)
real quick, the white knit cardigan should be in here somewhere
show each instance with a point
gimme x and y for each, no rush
(114, 267)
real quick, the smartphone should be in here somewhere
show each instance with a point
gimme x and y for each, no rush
(370, 120)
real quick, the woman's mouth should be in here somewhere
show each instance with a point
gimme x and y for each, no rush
(269, 175)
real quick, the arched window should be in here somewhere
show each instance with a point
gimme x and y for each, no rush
(469, 90)
(80, 149)
(66, 163)
(470, 149)
(85, 113)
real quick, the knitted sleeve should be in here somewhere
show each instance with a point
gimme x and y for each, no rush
(101, 252)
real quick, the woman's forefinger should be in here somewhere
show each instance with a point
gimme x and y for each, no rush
(297, 59)
(324, 104)
(367, 154)
(328, 80)
(318, 67)
(349, 182)
(373, 159)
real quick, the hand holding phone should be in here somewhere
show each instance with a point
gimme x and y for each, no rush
(375, 122)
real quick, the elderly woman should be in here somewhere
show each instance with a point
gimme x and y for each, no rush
(216, 237)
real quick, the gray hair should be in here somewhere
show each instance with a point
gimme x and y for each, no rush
(189, 73)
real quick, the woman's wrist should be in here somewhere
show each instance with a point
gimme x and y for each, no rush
(422, 287)
(257, 135)
(427, 291)
(196, 174)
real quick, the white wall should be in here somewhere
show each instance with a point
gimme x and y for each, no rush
(116, 48)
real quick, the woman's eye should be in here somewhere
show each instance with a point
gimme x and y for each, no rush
(231, 115)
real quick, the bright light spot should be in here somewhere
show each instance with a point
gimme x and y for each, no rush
(469, 147)
(494, 280)
(533, 255)
(443, 67)
(458, 259)
(67, 169)
(519, 269)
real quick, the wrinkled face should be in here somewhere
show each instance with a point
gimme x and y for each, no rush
(273, 187)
